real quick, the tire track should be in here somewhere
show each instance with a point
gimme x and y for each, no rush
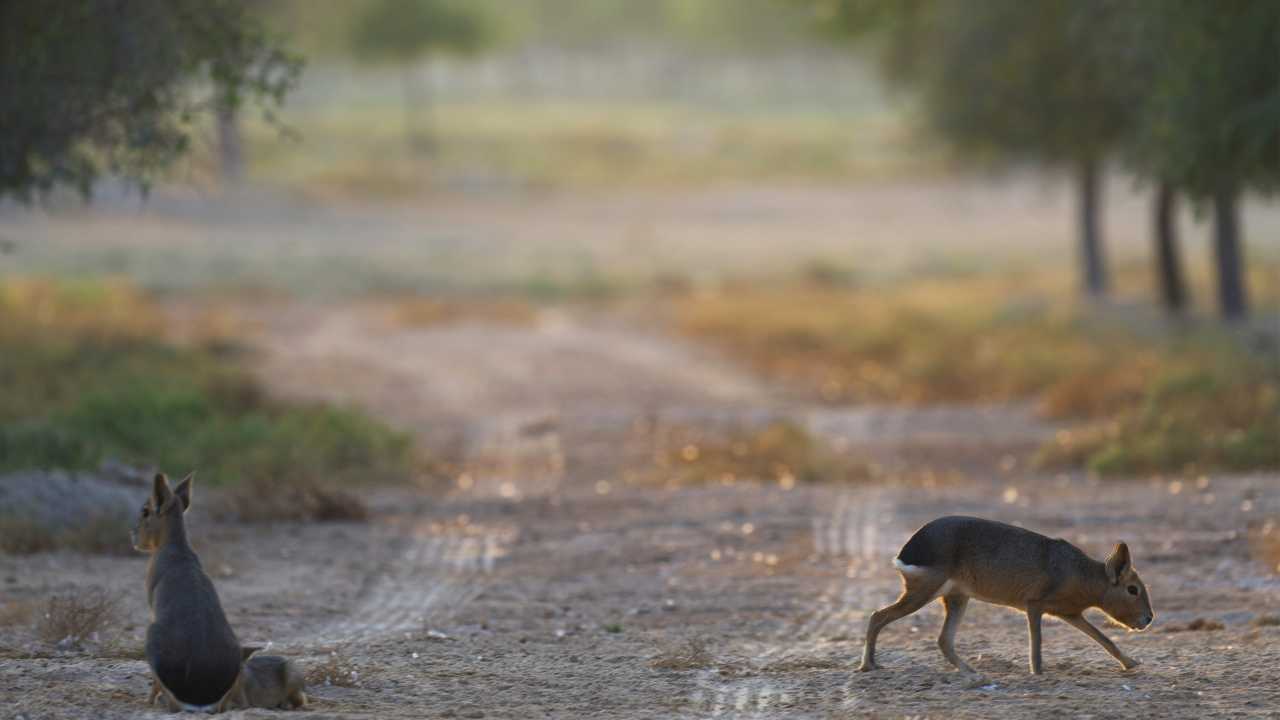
(861, 528)
(434, 576)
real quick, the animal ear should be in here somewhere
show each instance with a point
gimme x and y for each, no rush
(160, 492)
(247, 651)
(1118, 564)
(183, 491)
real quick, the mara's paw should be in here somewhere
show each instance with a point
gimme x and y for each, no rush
(868, 666)
(973, 680)
(1129, 663)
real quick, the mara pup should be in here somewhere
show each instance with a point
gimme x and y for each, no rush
(956, 558)
(268, 681)
(194, 655)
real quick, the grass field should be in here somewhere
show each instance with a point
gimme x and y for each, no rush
(363, 152)
(1154, 398)
(90, 377)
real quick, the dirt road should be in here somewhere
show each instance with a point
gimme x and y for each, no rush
(553, 581)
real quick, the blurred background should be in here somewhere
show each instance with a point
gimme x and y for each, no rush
(514, 250)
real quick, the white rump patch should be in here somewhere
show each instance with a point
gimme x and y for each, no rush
(909, 569)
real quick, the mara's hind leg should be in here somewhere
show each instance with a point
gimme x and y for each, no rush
(918, 588)
(954, 604)
(297, 699)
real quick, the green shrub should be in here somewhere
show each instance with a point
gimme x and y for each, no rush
(93, 380)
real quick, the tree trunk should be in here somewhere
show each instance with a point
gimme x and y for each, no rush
(230, 146)
(1173, 288)
(413, 103)
(1093, 262)
(1232, 294)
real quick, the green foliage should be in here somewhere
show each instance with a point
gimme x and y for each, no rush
(1187, 90)
(1220, 415)
(402, 30)
(94, 383)
(94, 87)
(1212, 110)
(1040, 80)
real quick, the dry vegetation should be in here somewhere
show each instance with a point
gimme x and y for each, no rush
(1265, 542)
(779, 452)
(692, 654)
(89, 376)
(338, 669)
(1154, 400)
(416, 312)
(77, 617)
(100, 534)
(16, 613)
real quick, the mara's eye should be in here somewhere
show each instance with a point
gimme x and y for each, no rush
(1133, 589)
(146, 511)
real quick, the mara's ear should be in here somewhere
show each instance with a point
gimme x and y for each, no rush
(160, 492)
(247, 651)
(1118, 564)
(183, 491)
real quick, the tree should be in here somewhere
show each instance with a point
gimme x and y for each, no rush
(1040, 81)
(1211, 123)
(403, 31)
(104, 86)
(1048, 81)
(1168, 258)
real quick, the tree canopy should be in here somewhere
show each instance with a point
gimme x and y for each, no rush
(401, 30)
(95, 86)
(1186, 93)
(1212, 111)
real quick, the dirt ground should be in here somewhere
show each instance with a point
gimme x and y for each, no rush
(551, 576)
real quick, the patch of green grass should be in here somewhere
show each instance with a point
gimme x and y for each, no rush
(92, 380)
(1154, 400)
(1223, 416)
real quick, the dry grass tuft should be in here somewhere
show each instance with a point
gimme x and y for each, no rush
(100, 535)
(15, 613)
(420, 312)
(1265, 545)
(691, 654)
(1266, 621)
(337, 670)
(297, 500)
(20, 535)
(780, 452)
(1197, 625)
(75, 618)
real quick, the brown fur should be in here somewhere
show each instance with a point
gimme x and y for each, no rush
(267, 681)
(956, 558)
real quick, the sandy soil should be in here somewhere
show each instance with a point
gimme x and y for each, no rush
(549, 578)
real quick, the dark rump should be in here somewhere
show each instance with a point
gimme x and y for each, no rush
(919, 550)
(205, 683)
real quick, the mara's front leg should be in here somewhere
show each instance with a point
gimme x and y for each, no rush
(1033, 630)
(1080, 623)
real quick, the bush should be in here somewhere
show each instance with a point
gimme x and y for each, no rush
(94, 380)
(77, 617)
(1152, 402)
